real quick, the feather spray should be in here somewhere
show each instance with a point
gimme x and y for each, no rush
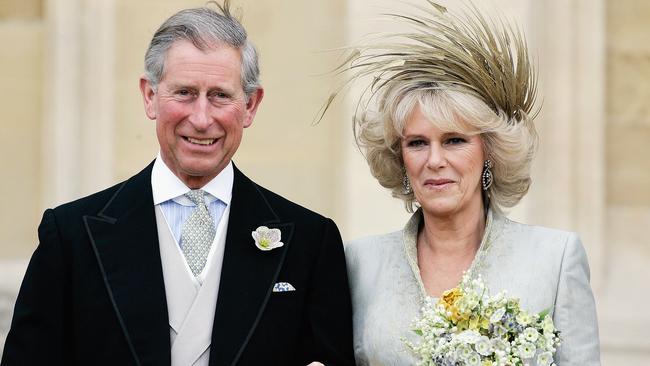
(462, 51)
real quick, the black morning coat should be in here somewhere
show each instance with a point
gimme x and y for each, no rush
(94, 295)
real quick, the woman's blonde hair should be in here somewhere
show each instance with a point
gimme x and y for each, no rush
(510, 146)
(468, 74)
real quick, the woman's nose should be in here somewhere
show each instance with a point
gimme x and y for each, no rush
(436, 158)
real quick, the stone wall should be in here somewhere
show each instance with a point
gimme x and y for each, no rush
(624, 317)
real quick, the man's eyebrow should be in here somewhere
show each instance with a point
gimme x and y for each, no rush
(174, 85)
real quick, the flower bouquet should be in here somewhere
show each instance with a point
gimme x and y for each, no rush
(468, 327)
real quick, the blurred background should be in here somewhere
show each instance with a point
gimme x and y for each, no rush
(75, 124)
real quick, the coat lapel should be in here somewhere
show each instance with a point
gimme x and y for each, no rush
(125, 241)
(248, 274)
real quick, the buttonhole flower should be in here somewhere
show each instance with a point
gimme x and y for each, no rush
(267, 239)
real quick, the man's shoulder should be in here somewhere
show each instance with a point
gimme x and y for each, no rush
(287, 208)
(93, 203)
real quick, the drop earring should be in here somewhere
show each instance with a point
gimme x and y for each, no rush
(486, 177)
(406, 184)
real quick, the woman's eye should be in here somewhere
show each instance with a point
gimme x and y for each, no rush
(415, 143)
(455, 140)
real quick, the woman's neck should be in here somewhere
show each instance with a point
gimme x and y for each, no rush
(454, 234)
(446, 247)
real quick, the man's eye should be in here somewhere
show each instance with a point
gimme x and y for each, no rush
(183, 93)
(220, 95)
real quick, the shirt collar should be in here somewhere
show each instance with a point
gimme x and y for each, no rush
(167, 186)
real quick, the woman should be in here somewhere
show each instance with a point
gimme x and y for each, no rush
(453, 138)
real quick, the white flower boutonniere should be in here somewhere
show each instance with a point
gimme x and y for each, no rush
(267, 239)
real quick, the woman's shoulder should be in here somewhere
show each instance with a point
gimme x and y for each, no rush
(529, 261)
(538, 249)
(374, 250)
(534, 235)
(372, 241)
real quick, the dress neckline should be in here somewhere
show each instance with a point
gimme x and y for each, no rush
(410, 234)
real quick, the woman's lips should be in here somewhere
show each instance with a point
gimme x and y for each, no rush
(438, 183)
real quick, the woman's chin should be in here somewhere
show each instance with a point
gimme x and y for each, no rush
(441, 207)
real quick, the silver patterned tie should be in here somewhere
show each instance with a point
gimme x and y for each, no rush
(198, 233)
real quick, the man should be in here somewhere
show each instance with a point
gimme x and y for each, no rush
(188, 262)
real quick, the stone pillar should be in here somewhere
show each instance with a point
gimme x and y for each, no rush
(61, 133)
(568, 184)
(98, 93)
(78, 99)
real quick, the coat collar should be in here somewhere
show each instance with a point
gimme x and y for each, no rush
(248, 274)
(493, 223)
(125, 241)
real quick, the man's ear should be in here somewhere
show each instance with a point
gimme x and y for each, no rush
(254, 100)
(148, 94)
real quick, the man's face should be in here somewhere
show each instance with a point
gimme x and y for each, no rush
(200, 110)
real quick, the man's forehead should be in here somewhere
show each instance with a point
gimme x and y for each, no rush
(185, 57)
(205, 48)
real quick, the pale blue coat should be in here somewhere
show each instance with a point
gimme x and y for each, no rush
(543, 267)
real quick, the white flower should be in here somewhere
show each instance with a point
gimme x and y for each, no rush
(526, 350)
(483, 346)
(547, 325)
(497, 315)
(267, 239)
(463, 352)
(468, 336)
(499, 344)
(544, 359)
(531, 334)
(473, 360)
(468, 302)
(524, 318)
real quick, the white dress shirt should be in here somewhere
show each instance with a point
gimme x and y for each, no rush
(169, 193)
(191, 301)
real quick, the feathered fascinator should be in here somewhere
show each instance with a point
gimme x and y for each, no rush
(463, 51)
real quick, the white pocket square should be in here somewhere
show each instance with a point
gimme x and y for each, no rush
(283, 287)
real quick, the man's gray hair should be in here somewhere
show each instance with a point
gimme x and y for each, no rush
(206, 29)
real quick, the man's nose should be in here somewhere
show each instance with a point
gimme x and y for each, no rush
(200, 116)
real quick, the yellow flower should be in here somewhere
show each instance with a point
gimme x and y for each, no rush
(450, 297)
(462, 325)
(449, 300)
(474, 322)
(484, 323)
(487, 363)
(455, 314)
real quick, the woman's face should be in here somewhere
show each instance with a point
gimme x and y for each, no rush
(444, 168)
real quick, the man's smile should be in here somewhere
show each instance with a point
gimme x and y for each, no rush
(200, 141)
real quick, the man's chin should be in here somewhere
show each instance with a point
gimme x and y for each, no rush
(197, 178)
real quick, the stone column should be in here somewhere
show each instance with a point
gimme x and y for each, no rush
(568, 182)
(78, 99)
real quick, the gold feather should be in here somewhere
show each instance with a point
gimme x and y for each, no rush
(444, 49)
